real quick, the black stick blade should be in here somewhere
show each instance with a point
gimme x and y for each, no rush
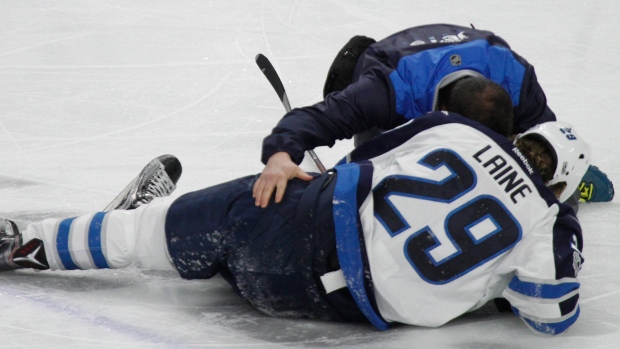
(270, 73)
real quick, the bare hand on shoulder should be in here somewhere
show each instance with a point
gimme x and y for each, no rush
(276, 174)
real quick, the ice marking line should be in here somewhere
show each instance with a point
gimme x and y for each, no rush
(122, 66)
(10, 135)
(23, 27)
(97, 320)
(291, 12)
(264, 32)
(24, 48)
(140, 125)
(109, 323)
(600, 296)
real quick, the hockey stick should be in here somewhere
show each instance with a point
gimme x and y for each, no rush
(270, 73)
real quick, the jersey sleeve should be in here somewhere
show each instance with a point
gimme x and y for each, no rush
(545, 292)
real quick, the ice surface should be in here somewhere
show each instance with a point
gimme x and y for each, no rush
(92, 90)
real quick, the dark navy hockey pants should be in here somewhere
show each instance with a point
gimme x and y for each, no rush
(273, 257)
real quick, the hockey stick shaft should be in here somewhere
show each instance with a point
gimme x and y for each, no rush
(272, 76)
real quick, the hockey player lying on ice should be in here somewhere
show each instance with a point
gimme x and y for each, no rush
(418, 226)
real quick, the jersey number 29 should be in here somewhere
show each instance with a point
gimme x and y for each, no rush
(479, 229)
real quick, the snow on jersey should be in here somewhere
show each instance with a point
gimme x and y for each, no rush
(450, 219)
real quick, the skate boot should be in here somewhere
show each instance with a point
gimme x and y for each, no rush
(14, 255)
(157, 179)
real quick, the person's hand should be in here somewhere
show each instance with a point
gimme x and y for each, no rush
(276, 174)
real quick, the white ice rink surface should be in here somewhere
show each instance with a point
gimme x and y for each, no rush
(91, 90)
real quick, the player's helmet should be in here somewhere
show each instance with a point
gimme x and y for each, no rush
(571, 153)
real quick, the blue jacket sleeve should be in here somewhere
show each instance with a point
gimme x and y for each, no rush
(362, 105)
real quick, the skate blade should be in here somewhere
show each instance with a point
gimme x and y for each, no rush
(121, 196)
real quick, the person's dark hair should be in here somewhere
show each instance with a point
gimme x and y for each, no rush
(542, 158)
(539, 154)
(479, 99)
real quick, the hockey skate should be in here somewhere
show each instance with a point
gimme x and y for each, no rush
(157, 179)
(14, 255)
(596, 186)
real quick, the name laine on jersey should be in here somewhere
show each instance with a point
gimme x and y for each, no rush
(504, 174)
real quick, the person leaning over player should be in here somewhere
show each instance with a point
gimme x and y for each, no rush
(380, 85)
(420, 225)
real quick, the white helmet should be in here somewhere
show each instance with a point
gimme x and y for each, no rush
(572, 153)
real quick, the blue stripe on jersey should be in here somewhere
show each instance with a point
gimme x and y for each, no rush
(539, 290)
(550, 327)
(94, 240)
(348, 241)
(62, 244)
(416, 76)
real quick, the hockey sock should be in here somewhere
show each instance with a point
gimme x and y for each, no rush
(113, 239)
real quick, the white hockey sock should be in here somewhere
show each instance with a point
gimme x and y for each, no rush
(114, 239)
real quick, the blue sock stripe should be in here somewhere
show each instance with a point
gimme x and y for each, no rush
(94, 241)
(62, 244)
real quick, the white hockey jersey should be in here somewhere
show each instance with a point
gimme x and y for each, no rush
(440, 216)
